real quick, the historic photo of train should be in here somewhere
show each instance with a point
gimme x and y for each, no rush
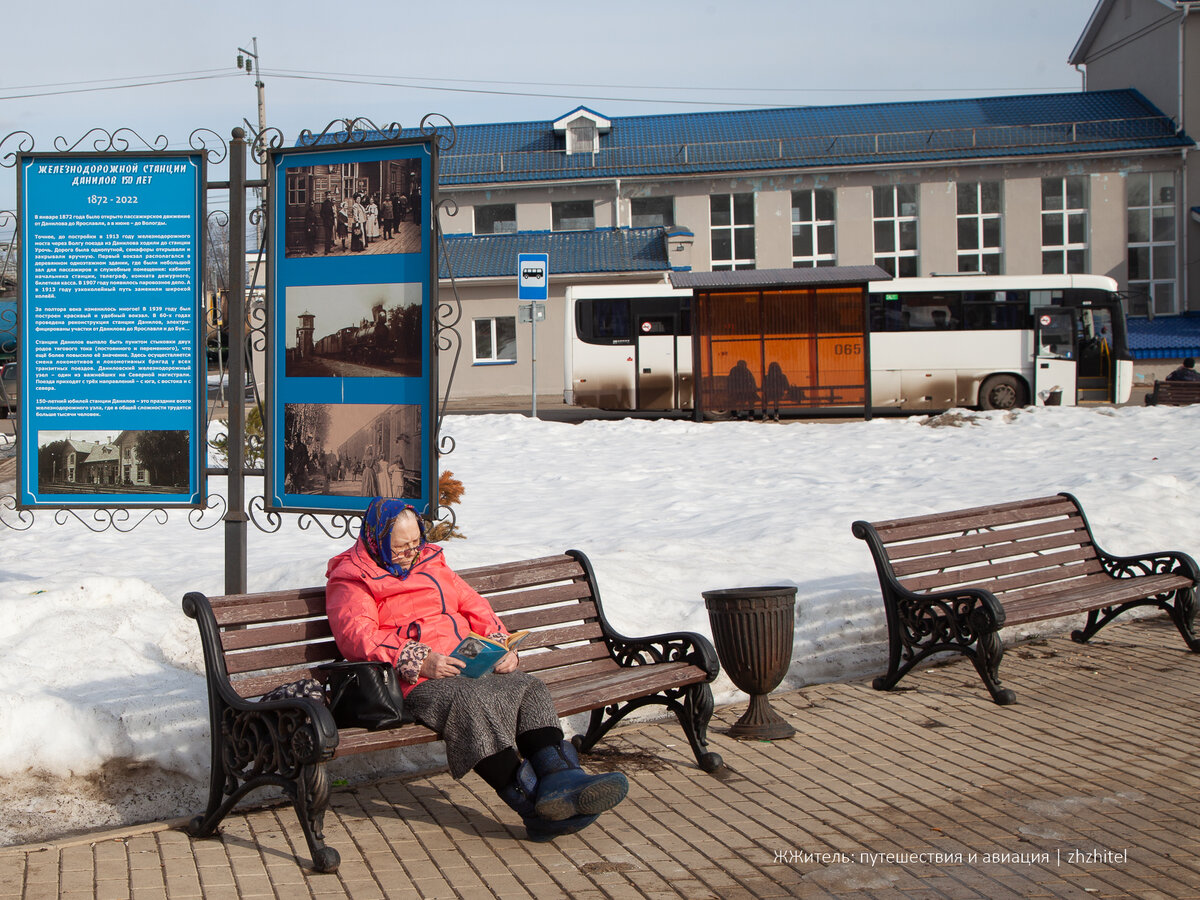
(353, 331)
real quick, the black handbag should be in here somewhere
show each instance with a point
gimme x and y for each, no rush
(364, 695)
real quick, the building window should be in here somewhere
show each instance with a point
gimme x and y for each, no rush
(496, 340)
(1064, 225)
(652, 212)
(573, 215)
(581, 136)
(895, 220)
(1151, 221)
(499, 218)
(979, 227)
(813, 217)
(732, 222)
(297, 189)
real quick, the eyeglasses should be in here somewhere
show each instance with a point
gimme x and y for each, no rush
(406, 548)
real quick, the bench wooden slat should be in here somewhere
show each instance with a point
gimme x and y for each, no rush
(352, 741)
(992, 553)
(507, 576)
(582, 611)
(271, 635)
(899, 554)
(580, 695)
(249, 686)
(585, 669)
(967, 519)
(1046, 565)
(567, 656)
(533, 598)
(294, 656)
(555, 640)
(282, 609)
(1027, 606)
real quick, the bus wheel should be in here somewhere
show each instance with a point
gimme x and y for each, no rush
(1002, 392)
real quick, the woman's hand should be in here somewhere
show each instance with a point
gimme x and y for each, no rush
(508, 663)
(438, 665)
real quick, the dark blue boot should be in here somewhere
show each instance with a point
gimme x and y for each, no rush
(521, 794)
(565, 791)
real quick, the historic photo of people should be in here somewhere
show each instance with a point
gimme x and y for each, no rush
(345, 209)
(352, 449)
(353, 330)
(107, 462)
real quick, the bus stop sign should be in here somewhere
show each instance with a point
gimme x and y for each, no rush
(533, 276)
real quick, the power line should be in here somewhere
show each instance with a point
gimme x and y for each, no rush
(404, 79)
(115, 87)
(484, 87)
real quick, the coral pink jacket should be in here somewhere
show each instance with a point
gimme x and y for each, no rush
(378, 616)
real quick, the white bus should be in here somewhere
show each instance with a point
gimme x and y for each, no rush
(985, 341)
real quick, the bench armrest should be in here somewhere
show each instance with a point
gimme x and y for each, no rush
(678, 646)
(1166, 562)
(300, 729)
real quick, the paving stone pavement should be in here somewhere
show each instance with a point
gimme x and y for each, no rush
(1088, 787)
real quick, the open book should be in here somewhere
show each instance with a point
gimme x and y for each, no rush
(481, 653)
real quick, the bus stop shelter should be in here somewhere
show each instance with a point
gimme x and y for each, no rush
(772, 341)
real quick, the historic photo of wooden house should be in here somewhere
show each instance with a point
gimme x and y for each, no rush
(344, 209)
(352, 449)
(99, 462)
(353, 331)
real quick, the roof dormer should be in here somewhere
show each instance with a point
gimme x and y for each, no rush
(582, 128)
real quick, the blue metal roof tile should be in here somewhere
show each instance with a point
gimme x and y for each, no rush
(798, 137)
(576, 252)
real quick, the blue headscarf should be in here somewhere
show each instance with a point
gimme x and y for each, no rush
(376, 533)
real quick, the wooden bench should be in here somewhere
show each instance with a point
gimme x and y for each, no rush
(951, 580)
(1174, 393)
(255, 642)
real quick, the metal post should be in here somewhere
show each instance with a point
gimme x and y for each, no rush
(235, 515)
(533, 353)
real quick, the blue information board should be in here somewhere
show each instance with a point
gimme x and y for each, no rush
(351, 292)
(111, 390)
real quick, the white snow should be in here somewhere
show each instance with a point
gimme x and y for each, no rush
(103, 716)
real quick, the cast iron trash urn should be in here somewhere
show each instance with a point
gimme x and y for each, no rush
(752, 631)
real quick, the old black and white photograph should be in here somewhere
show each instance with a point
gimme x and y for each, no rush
(347, 209)
(353, 330)
(112, 462)
(352, 449)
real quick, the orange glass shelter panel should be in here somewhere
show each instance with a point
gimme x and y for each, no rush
(780, 349)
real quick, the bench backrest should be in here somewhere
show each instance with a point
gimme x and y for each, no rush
(276, 637)
(1177, 392)
(1014, 549)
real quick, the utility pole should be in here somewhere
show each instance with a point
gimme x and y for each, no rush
(248, 60)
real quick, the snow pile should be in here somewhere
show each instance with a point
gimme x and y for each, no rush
(104, 716)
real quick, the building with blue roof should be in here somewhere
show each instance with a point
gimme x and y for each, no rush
(1097, 181)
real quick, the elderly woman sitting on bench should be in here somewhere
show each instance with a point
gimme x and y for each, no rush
(392, 598)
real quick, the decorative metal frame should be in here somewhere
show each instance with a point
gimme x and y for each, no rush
(217, 149)
(968, 620)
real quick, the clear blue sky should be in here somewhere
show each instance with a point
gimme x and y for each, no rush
(477, 61)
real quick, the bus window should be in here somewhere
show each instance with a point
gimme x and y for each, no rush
(995, 311)
(603, 321)
(932, 311)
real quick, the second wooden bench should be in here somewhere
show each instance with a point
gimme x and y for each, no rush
(952, 580)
